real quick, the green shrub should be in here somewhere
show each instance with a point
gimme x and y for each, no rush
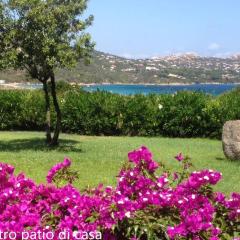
(32, 116)
(221, 109)
(182, 114)
(229, 105)
(10, 109)
(185, 114)
(92, 113)
(140, 115)
(62, 86)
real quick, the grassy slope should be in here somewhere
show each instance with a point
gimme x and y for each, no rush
(98, 159)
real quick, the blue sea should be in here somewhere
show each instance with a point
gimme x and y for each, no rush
(214, 89)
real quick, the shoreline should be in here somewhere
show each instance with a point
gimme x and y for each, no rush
(153, 84)
(17, 85)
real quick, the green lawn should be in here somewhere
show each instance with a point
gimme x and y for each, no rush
(98, 159)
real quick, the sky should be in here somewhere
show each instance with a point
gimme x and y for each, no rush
(140, 29)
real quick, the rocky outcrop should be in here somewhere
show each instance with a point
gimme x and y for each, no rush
(231, 139)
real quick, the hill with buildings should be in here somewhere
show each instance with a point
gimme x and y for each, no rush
(108, 68)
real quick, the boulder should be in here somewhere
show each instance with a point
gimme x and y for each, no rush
(231, 139)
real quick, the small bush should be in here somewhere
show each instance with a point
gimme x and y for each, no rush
(92, 113)
(32, 116)
(10, 109)
(182, 114)
(140, 116)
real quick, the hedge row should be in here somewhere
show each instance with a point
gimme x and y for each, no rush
(185, 114)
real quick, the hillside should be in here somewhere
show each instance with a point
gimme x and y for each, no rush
(107, 68)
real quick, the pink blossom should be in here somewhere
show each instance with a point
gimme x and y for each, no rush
(27, 206)
(179, 157)
(66, 163)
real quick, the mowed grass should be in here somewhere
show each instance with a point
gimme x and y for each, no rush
(98, 159)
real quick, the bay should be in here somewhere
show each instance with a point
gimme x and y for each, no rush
(131, 89)
(213, 89)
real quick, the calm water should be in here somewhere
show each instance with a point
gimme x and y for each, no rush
(214, 89)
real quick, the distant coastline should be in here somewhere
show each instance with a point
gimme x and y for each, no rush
(23, 85)
(154, 84)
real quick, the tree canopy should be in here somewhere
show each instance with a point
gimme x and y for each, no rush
(40, 36)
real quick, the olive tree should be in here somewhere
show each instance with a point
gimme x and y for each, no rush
(41, 36)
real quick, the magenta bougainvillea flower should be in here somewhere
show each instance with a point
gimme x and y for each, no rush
(66, 163)
(179, 157)
(190, 207)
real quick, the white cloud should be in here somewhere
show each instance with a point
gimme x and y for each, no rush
(214, 46)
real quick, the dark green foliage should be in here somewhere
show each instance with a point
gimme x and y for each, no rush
(10, 107)
(38, 37)
(92, 113)
(33, 107)
(140, 116)
(185, 114)
(182, 114)
(224, 108)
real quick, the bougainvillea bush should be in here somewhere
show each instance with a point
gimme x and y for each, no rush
(148, 202)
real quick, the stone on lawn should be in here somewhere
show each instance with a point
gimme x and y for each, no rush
(231, 139)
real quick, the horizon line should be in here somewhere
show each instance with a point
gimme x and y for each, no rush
(176, 54)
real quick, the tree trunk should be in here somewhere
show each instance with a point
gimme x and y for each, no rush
(48, 117)
(57, 129)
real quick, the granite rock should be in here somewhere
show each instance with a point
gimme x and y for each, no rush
(231, 139)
